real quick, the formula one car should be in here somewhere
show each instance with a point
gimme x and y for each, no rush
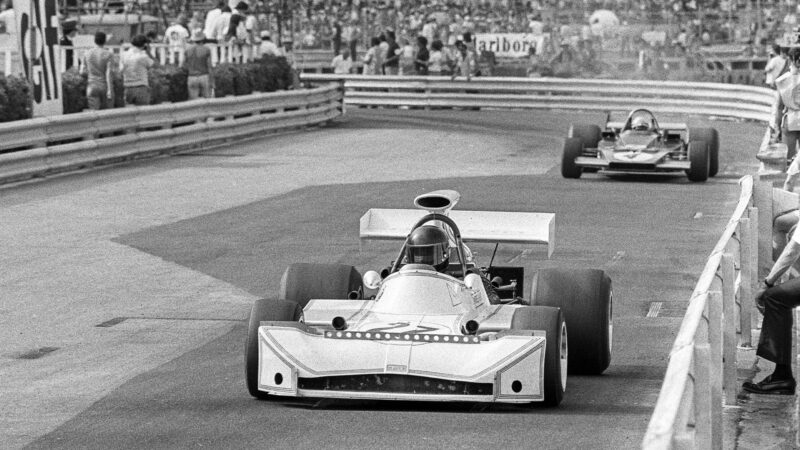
(640, 145)
(432, 326)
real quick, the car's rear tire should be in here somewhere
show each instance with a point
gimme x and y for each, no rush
(588, 134)
(699, 160)
(551, 320)
(711, 138)
(572, 149)
(303, 281)
(585, 296)
(264, 310)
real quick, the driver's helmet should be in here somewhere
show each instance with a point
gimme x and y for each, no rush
(428, 244)
(640, 122)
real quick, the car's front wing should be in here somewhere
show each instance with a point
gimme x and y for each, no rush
(632, 166)
(297, 361)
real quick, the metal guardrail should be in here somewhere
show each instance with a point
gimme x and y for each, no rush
(701, 374)
(709, 99)
(41, 146)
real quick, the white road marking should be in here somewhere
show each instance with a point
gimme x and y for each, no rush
(697, 215)
(655, 308)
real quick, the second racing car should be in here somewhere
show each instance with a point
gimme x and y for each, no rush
(433, 325)
(641, 144)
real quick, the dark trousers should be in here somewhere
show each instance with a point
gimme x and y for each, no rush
(775, 343)
(790, 138)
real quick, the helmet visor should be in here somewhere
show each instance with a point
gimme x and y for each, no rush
(432, 254)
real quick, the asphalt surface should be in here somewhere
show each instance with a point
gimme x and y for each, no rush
(126, 288)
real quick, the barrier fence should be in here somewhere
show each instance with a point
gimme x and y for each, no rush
(41, 146)
(708, 99)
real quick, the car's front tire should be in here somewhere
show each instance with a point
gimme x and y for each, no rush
(551, 320)
(573, 147)
(302, 282)
(699, 160)
(585, 297)
(264, 310)
(711, 138)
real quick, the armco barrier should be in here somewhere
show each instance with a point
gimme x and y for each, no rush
(41, 146)
(709, 99)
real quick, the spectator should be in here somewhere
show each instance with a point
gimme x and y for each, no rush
(100, 82)
(210, 24)
(175, 37)
(342, 63)
(391, 65)
(221, 25)
(197, 62)
(135, 63)
(776, 302)
(384, 51)
(237, 30)
(465, 61)
(337, 37)
(196, 22)
(268, 47)
(70, 30)
(350, 35)
(372, 59)
(436, 60)
(406, 62)
(776, 66)
(429, 29)
(423, 56)
(787, 110)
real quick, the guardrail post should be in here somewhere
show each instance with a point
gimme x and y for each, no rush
(685, 436)
(730, 382)
(717, 365)
(762, 199)
(746, 286)
(702, 397)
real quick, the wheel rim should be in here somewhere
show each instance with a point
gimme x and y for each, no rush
(564, 353)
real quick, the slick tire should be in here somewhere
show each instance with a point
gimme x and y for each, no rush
(572, 149)
(303, 281)
(588, 134)
(586, 299)
(264, 310)
(711, 138)
(699, 160)
(551, 320)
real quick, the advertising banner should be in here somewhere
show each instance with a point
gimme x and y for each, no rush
(509, 45)
(37, 31)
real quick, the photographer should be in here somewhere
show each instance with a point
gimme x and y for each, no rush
(135, 62)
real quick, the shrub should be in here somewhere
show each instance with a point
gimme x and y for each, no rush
(167, 84)
(224, 76)
(73, 91)
(15, 98)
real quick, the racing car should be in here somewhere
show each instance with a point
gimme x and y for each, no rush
(640, 144)
(433, 325)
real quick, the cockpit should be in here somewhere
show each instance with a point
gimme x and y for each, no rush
(641, 120)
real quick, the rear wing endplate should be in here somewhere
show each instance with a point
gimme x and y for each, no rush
(520, 228)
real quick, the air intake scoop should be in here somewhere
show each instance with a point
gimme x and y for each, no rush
(437, 201)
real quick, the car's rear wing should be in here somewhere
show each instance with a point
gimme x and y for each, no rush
(672, 126)
(520, 228)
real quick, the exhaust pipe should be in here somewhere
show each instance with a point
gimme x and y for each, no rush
(339, 323)
(470, 327)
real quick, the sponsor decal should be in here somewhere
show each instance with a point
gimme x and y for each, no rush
(37, 26)
(514, 45)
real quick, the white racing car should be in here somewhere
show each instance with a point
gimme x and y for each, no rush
(433, 326)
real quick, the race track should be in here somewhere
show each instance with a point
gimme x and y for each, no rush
(125, 289)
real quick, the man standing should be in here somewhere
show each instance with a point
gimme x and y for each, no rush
(391, 65)
(211, 19)
(175, 37)
(776, 66)
(237, 30)
(342, 64)
(135, 62)
(198, 65)
(787, 108)
(100, 85)
(267, 47)
(70, 30)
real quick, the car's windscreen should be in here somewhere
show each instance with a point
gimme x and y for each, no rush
(420, 293)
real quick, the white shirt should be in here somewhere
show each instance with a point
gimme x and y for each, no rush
(221, 27)
(176, 36)
(269, 48)
(774, 68)
(341, 65)
(211, 18)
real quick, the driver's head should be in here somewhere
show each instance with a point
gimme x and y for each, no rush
(640, 123)
(428, 245)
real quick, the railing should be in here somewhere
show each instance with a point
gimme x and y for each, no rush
(708, 99)
(701, 375)
(41, 146)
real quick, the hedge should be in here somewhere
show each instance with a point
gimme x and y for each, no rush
(16, 99)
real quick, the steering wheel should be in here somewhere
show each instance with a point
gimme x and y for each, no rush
(430, 218)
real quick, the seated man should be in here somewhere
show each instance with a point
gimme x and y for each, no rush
(641, 122)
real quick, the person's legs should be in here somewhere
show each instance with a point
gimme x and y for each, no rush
(193, 85)
(775, 342)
